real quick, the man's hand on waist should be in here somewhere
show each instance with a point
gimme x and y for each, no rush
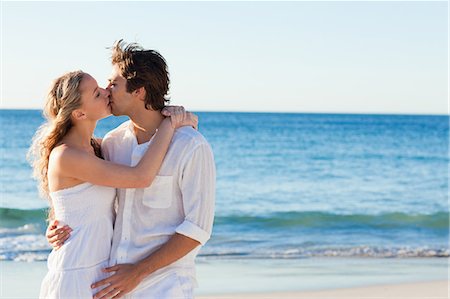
(126, 278)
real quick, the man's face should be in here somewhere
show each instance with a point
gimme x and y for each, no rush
(121, 100)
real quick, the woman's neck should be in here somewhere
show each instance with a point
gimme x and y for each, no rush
(80, 135)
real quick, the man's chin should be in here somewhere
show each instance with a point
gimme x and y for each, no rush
(116, 113)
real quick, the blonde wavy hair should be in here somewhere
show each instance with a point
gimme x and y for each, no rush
(63, 98)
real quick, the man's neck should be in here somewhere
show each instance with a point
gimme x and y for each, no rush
(145, 123)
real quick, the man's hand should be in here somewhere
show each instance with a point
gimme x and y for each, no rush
(128, 276)
(123, 281)
(56, 236)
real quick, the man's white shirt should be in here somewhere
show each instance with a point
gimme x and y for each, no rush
(179, 200)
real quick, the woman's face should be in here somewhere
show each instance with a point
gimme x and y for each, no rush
(94, 100)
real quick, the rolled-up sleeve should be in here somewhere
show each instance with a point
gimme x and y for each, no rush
(197, 181)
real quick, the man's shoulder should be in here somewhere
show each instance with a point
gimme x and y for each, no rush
(188, 141)
(187, 136)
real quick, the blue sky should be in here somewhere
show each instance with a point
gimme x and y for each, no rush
(344, 57)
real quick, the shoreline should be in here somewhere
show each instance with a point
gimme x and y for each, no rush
(329, 278)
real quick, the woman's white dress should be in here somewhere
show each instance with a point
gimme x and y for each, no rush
(89, 210)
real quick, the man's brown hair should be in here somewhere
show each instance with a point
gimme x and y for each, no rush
(143, 68)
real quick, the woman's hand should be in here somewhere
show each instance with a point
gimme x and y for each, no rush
(179, 117)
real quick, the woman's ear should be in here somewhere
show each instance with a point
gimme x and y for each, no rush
(78, 114)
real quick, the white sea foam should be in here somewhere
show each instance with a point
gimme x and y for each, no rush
(28, 247)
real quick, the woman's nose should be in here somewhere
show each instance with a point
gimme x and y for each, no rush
(106, 92)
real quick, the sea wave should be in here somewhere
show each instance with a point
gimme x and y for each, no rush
(35, 248)
(13, 218)
(248, 236)
(332, 251)
(285, 220)
(28, 247)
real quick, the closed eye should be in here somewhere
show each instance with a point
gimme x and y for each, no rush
(111, 83)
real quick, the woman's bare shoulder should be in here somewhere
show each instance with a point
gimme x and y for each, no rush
(64, 152)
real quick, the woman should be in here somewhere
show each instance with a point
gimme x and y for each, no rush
(81, 185)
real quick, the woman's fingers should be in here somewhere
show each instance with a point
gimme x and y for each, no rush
(191, 120)
(170, 110)
(196, 122)
(176, 117)
(179, 117)
(165, 112)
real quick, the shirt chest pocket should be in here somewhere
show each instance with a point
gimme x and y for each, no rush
(159, 194)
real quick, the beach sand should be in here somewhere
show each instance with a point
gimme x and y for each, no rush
(422, 290)
(326, 278)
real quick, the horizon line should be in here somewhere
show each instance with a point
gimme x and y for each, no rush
(289, 112)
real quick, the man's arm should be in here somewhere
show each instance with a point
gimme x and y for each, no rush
(197, 184)
(128, 276)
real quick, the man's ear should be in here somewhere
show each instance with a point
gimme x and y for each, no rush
(78, 114)
(140, 93)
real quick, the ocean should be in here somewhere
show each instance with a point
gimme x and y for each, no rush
(289, 186)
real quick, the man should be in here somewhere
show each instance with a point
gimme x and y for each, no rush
(158, 229)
